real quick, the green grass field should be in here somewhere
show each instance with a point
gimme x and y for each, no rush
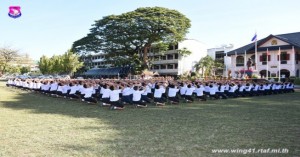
(38, 125)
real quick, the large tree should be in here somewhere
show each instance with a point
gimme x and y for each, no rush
(7, 55)
(133, 33)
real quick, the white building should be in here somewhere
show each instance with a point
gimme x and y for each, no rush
(285, 45)
(173, 63)
(219, 53)
(97, 60)
(168, 63)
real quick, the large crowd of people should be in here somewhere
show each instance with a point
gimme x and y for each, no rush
(118, 93)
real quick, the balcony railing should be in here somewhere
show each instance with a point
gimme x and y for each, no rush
(166, 61)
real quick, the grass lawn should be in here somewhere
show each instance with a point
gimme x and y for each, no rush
(37, 125)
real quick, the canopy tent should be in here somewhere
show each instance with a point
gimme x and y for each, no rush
(108, 71)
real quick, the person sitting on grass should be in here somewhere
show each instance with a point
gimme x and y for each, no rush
(232, 89)
(158, 91)
(172, 94)
(105, 95)
(213, 91)
(127, 94)
(145, 97)
(137, 95)
(114, 97)
(200, 93)
(88, 92)
(189, 92)
(73, 90)
(221, 91)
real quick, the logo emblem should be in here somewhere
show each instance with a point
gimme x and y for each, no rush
(14, 11)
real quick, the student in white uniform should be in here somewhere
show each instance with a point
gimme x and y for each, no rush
(127, 94)
(105, 95)
(221, 91)
(137, 95)
(189, 92)
(213, 92)
(73, 90)
(199, 92)
(114, 97)
(172, 94)
(88, 92)
(158, 91)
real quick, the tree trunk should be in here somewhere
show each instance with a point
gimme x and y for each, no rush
(145, 56)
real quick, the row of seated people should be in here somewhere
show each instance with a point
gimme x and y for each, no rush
(139, 93)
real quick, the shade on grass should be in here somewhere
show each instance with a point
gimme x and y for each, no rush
(37, 125)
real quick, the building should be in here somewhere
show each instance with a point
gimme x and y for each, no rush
(277, 55)
(173, 63)
(219, 53)
(169, 63)
(97, 60)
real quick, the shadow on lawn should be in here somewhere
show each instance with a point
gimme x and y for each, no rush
(184, 129)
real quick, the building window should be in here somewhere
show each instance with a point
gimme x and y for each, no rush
(156, 67)
(263, 58)
(163, 66)
(220, 54)
(163, 57)
(240, 61)
(176, 66)
(170, 66)
(176, 56)
(170, 57)
(176, 47)
(284, 57)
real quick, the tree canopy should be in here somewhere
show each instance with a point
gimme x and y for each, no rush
(7, 55)
(133, 33)
(208, 66)
(61, 64)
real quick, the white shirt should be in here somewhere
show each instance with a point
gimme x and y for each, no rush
(158, 93)
(53, 86)
(114, 95)
(199, 91)
(212, 90)
(73, 90)
(172, 92)
(183, 90)
(189, 91)
(65, 88)
(105, 93)
(127, 91)
(232, 89)
(87, 92)
(137, 95)
(60, 88)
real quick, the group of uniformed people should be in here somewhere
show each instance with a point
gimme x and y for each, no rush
(117, 93)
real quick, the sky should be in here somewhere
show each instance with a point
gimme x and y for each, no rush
(49, 27)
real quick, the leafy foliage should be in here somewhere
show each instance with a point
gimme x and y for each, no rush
(62, 64)
(133, 33)
(7, 55)
(209, 66)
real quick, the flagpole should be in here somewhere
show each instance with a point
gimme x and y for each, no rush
(245, 60)
(256, 57)
(279, 58)
(225, 61)
(235, 64)
(294, 69)
(267, 73)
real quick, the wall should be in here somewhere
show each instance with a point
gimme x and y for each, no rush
(198, 50)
